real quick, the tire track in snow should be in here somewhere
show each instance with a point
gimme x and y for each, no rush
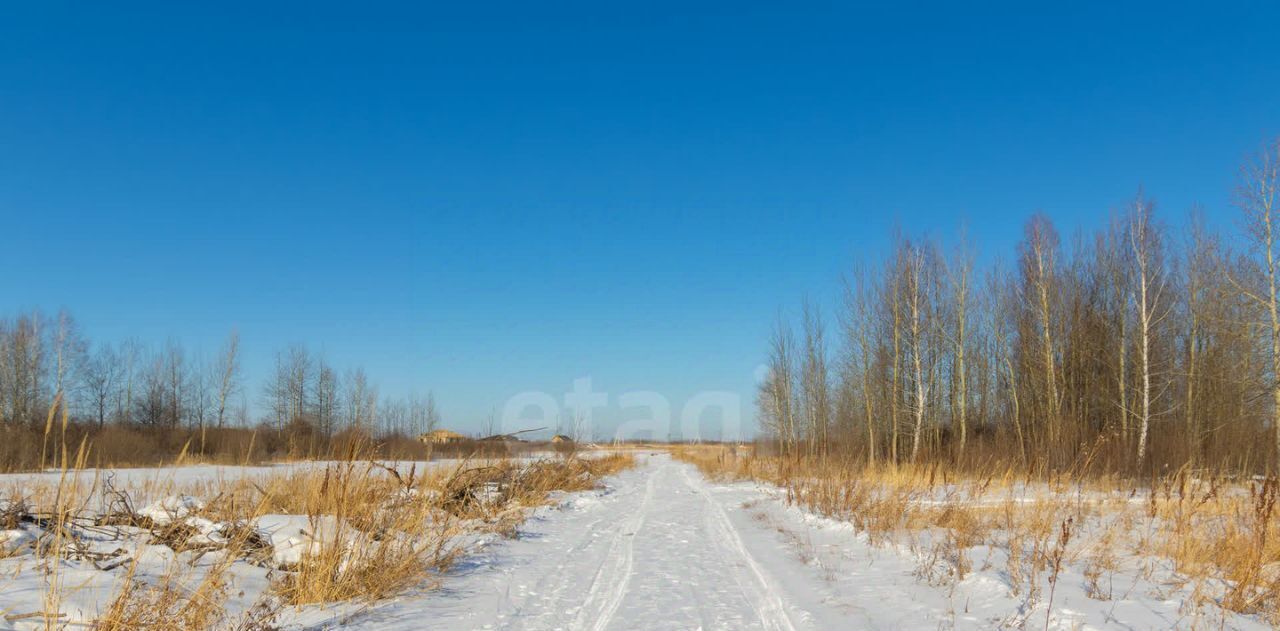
(747, 586)
(771, 609)
(616, 569)
(558, 584)
(526, 615)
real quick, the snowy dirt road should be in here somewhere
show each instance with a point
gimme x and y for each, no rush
(661, 548)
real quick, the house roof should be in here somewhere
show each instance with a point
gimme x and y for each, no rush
(501, 438)
(438, 433)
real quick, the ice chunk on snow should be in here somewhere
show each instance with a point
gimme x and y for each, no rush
(171, 509)
(208, 531)
(13, 540)
(294, 537)
(179, 509)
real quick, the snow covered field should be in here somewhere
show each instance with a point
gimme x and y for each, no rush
(663, 548)
(146, 479)
(254, 547)
(657, 547)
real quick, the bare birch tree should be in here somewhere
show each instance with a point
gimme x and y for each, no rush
(361, 400)
(1039, 259)
(859, 329)
(777, 391)
(1149, 279)
(102, 374)
(327, 389)
(915, 286)
(1201, 267)
(959, 274)
(68, 351)
(1256, 197)
(814, 385)
(228, 375)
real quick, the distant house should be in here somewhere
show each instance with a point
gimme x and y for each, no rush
(513, 437)
(561, 439)
(441, 437)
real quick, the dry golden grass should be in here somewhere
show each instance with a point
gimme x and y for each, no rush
(376, 530)
(166, 605)
(1219, 535)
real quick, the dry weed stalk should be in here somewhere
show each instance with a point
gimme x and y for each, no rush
(1218, 532)
(373, 529)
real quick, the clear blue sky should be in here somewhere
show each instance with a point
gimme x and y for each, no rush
(498, 198)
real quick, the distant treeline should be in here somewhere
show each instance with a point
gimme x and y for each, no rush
(138, 404)
(1131, 348)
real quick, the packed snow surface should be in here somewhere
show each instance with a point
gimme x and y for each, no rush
(663, 548)
(658, 547)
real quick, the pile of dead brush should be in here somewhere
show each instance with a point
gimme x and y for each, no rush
(490, 490)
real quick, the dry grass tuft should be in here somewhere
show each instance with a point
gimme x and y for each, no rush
(372, 530)
(1220, 535)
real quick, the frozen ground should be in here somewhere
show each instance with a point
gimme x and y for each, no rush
(663, 548)
(148, 484)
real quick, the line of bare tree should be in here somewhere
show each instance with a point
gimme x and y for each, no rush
(44, 359)
(1129, 349)
(305, 388)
